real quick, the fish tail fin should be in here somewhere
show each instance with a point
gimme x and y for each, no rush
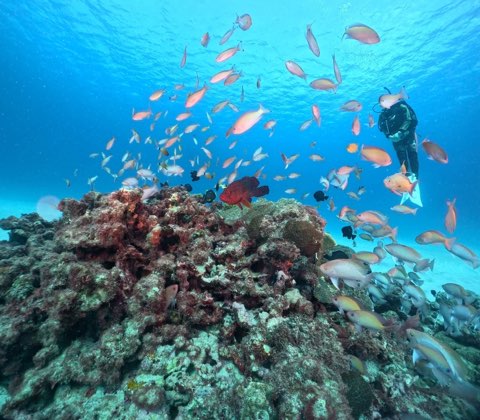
(432, 262)
(393, 234)
(414, 211)
(449, 243)
(403, 93)
(263, 109)
(261, 191)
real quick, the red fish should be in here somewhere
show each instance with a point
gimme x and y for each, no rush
(241, 191)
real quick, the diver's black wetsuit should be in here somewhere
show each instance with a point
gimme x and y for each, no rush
(398, 123)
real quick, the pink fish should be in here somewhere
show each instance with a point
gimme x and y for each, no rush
(184, 58)
(451, 216)
(244, 22)
(225, 55)
(371, 121)
(141, 115)
(351, 106)
(323, 84)
(221, 75)
(316, 114)
(312, 42)
(232, 78)
(362, 33)
(247, 120)
(227, 35)
(295, 69)
(170, 293)
(195, 97)
(336, 70)
(205, 39)
(356, 126)
(390, 99)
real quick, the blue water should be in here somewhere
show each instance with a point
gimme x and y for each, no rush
(73, 70)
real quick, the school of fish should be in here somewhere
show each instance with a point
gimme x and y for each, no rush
(171, 135)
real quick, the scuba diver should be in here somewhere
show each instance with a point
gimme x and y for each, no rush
(398, 121)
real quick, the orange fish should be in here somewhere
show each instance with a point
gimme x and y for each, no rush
(399, 184)
(451, 216)
(141, 115)
(155, 96)
(376, 155)
(352, 148)
(195, 97)
(183, 116)
(356, 126)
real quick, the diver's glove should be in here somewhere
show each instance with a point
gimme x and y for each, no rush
(399, 135)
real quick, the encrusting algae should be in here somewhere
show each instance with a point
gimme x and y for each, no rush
(130, 308)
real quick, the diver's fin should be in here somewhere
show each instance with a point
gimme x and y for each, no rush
(415, 196)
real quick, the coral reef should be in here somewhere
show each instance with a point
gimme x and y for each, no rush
(173, 309)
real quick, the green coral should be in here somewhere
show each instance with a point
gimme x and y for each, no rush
(256, 403)
(328, 243)
(359, 393)
(304, 235)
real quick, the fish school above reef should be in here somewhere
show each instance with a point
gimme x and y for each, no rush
(169, 308)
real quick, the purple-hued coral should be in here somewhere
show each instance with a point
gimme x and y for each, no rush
(170, 307)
